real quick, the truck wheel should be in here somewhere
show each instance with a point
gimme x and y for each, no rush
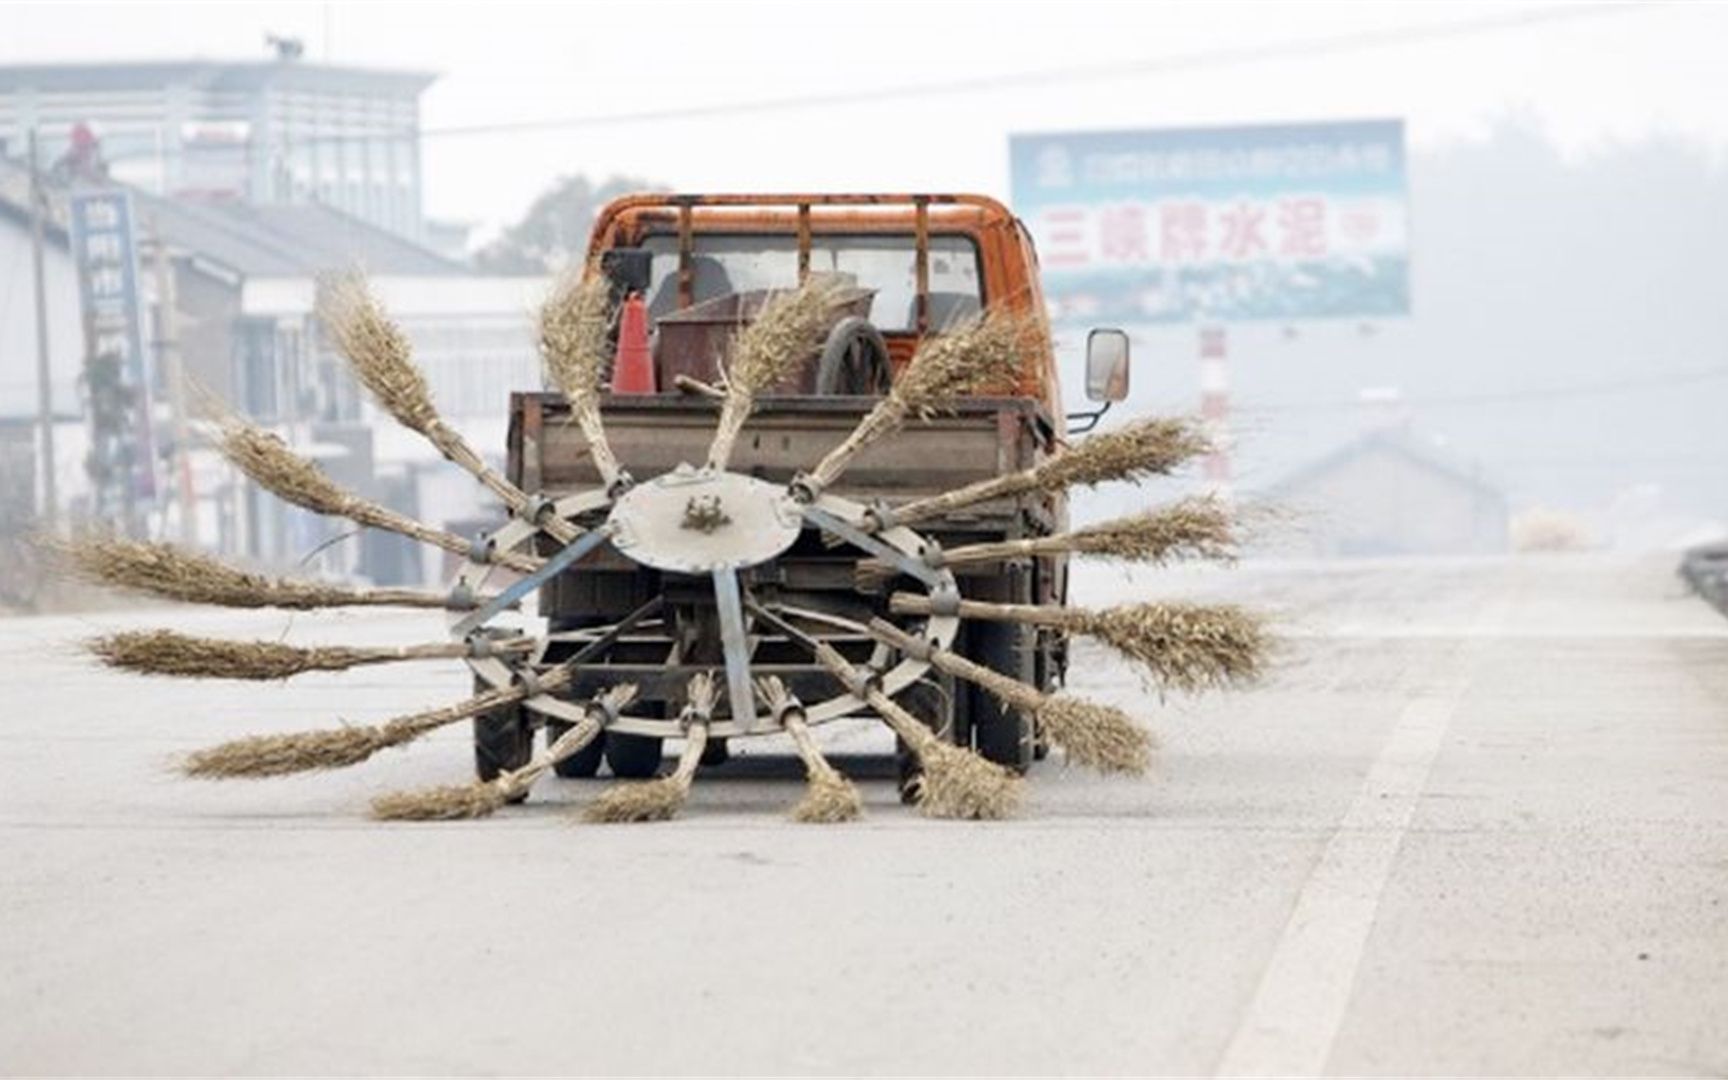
(632, 757)
(934, 708)
(503, 741)
(585, 762)
(1001, 734)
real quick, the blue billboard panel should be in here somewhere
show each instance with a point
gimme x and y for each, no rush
(1285, 221)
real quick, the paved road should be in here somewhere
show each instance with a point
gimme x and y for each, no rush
(1477, 821)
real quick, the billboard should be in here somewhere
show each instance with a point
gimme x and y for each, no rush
(1223, 224)
(104, 246)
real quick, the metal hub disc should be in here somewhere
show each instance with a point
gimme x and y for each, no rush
(696, 521)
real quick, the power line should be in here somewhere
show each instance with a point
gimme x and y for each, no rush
(1169, 64)
(1202, 59)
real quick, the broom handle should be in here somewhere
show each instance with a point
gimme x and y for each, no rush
(995, 486)
(1005, 687)
(1026, 614)
(910, 729)
(455, 449)
(405, 728)
(733, 412)
(884, 419)
(566, 745)
(588, 419)
(363, 512)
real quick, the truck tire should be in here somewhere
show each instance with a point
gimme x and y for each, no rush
(585, 762)
(503, 741)
(633, 757)
(1001, 734)
(935, 709)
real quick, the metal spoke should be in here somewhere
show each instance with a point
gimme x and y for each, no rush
(730, 604)
(849, 532)
(574, 550)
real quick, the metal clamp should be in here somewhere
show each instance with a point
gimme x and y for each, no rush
(859, 681)
(529, 681)
(608, 710)
(482, 548)
(462, 597)
(621, 483)
(878, 517)
(917, 648)
(481, 646)
(945, 599)
(788, 704)
(534, 509)
(804, 488)
(933, 555)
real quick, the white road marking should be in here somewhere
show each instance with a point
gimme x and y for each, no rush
(1294, 1017)
(1290, 1025)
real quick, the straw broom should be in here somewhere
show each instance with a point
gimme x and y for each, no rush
(955, 782)
(307, 751)
(1098, 736)
(790, 326)
(981, 353)
(1145, 448)
(175, 574)
(274, 467)
(378, 351)
(483, 797)
(1198, 527)
(828, 796)
(167, 652)
(660, 800)
(1183, 645)
(574, 323)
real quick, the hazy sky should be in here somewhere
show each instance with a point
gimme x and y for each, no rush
(1619, 72)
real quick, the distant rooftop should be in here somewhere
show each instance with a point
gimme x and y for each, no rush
(208, 74)
(253, 241)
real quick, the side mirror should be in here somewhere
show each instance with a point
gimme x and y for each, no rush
(1107, 365)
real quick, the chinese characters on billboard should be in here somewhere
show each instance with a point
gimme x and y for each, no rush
(116, 372)
(1284, 222)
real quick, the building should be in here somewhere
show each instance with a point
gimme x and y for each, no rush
(244, 280)
(267, 132)
(1385, 494)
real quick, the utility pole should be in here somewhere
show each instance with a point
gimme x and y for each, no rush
(44, 369)
(174, 368)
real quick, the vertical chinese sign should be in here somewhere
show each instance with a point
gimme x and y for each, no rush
(1219, 225)
(122, 458)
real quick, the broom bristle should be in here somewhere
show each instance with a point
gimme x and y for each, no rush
(956, 783)
(976, 355)
(1186, 646)
(377, 349)
(1098, 736)
(642, 800)
(176, 574)
(788, 329)
(166, 571)
(1150, 447)
(165, 652)
(828, 798)
(574, 323)
(1198, 527)
(280, 755)
(445, 803)
(274, 467)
